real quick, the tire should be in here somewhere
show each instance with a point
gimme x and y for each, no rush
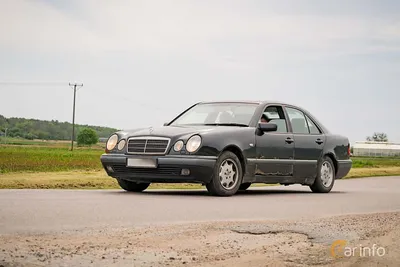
(244, 186)
(227, 176)
(132, 186)
(325, 177)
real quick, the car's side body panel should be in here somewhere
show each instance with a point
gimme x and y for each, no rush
(273, 162)
(238, 139)
(337, 147)
(308, 147)
(274, 155)
(221, 137)
(306, 156)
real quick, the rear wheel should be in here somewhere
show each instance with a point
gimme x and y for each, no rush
(244, 186)
(325, 177)
(227, 175)
(132, 186)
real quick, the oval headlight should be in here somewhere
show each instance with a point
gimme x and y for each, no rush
(178, 146)
(112, 142)
(193, 143)
(121, 144)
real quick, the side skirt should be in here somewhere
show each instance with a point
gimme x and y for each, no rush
(274, 179)
(251, 175)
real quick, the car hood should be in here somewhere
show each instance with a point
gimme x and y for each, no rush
(175, 131)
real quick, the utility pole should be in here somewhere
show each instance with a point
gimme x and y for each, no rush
(75, 86)
(5, 135)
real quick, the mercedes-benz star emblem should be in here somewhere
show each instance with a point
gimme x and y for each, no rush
(151, 130)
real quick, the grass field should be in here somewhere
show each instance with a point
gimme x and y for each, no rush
(41, 143)
(46, 164)
(47, 159)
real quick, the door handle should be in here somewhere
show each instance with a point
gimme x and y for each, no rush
(289, 140)
(319, 141)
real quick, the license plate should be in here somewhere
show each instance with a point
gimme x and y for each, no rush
(141, 163)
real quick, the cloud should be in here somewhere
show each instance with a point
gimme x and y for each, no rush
(190, 28)
(152, 53)
(36, 26)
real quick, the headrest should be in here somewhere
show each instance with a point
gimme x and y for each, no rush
(225, 117)
(299, 125)
(281, 125)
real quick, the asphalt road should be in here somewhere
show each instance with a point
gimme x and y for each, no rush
(41, 211)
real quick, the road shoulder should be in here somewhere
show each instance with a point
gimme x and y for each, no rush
(259, 243)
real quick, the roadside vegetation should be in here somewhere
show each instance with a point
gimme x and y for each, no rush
(45, 130)
(50, 164)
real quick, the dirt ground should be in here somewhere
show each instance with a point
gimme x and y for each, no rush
(256, 243)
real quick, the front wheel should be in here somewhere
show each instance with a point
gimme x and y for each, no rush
(227, 175)
(325, 177)
(132, 186)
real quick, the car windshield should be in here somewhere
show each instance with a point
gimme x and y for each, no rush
(235, 114)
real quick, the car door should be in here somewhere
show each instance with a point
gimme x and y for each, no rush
(308, 144)
(275, 150)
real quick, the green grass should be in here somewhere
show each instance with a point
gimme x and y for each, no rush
(45, 159)
(17, 141)
(9, 141)
(22, 141)
(50, 164)
(368, 162)
(72, 180)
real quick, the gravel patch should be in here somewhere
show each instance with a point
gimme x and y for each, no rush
(254, 243)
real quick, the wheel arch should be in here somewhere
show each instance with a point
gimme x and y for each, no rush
(334, 160)
(238, 152)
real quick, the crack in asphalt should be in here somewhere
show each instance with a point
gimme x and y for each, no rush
(273, 232)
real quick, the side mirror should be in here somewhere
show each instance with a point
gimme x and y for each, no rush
(267, 127)
(166, 123)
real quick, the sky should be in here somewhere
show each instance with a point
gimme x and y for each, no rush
(142, 62)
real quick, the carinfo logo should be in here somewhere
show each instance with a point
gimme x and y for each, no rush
(339, 249)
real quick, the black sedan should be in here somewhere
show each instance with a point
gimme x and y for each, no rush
(227, 146)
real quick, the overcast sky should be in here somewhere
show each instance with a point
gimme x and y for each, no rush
(143, 62)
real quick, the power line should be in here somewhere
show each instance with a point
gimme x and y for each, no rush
(75, 86)
(32, 83)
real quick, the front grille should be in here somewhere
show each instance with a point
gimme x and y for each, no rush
(160, 170)
(148, 145)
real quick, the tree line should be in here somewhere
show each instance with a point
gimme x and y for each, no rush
(46, 130)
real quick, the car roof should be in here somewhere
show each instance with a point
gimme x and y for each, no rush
(258, 102)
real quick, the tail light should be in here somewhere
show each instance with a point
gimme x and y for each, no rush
(348, 150)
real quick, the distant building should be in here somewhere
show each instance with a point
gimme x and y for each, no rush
(376, 149)
(102, 139)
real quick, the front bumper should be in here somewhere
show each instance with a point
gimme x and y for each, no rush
(344, 167)
(168, 170)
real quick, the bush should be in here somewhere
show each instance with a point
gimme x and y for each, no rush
(30, 136)
(87, 137)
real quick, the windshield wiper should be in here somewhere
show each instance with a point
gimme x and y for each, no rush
(226, 124)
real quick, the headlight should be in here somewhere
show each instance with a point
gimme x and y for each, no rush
(178, 146)
(121, 144)
(193, 143)
(112, 142)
